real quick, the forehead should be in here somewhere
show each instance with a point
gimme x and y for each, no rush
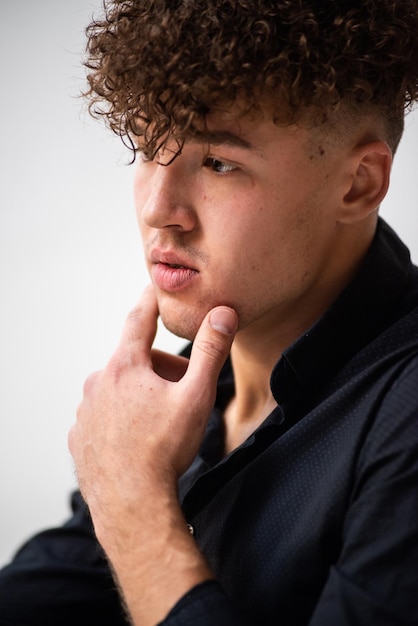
(251, 130)
(260, 130)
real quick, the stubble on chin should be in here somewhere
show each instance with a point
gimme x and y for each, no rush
(184, 326)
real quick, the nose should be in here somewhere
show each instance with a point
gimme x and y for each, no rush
(164, 198)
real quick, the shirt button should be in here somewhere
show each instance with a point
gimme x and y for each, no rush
(191, 529)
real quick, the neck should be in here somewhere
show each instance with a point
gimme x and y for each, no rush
(258, 347)
(253, 400)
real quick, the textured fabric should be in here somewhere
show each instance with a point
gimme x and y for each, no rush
(310, 522)
(61, 578)
(204, 604)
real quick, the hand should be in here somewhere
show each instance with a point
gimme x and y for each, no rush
(144, 415)
(139, 426)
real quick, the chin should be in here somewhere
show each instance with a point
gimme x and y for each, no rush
(184, 326)
(183, 317)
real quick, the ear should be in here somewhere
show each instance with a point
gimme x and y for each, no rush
(369, 175)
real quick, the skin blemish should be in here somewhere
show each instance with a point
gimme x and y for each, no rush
(321, 151)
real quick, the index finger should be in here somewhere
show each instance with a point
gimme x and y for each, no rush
(140, 328)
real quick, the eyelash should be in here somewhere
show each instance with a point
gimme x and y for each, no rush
(218, 166)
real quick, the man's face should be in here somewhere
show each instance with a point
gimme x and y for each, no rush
(246, 216)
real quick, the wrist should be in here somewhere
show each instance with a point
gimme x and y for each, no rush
(155, 561)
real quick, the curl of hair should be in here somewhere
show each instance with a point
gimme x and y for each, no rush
(158, 67)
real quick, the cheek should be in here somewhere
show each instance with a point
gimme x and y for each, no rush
(278, 251)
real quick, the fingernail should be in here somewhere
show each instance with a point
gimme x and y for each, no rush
(224, 320)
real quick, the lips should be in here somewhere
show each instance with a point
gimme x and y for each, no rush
(170, 272)
(176, 266)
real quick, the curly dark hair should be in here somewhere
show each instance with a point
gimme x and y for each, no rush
(158, 67)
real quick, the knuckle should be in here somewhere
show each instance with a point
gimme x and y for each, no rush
(71, 439)
(118, 364)
(90, 383)
(135, 313)
(210, 347)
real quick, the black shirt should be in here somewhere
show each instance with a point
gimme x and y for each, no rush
(311, 521)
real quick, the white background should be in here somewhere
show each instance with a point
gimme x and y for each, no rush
(71, 262)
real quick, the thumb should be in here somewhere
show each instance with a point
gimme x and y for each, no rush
(211, 345)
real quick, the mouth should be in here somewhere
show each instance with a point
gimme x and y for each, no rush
(171, 258)
(170, 273)
(176, 266)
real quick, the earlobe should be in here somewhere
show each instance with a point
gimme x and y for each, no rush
(369, 181)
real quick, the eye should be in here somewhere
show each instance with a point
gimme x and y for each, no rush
(220, 167)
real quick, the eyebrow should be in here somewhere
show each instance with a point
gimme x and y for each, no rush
(221, 137)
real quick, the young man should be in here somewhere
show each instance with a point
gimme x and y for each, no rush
(270, 474)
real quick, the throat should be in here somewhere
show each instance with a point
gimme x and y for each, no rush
(242, 419)
(253, 400)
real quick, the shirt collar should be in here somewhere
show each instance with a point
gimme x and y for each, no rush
(358, 315)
